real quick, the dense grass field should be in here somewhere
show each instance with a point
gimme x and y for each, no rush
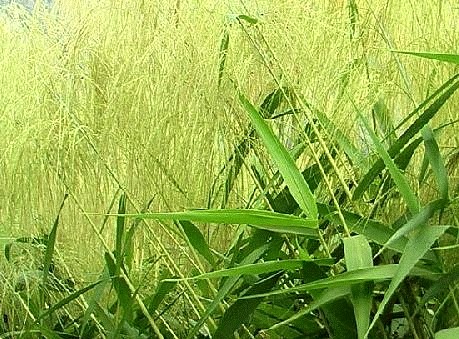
(281, 145)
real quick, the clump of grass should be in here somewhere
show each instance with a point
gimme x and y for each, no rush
(335, 193)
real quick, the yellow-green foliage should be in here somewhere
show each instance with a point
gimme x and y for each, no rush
(97, 94)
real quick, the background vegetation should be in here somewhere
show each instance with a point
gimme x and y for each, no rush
(114, 107)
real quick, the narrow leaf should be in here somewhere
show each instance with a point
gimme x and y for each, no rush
(225, 289)
(197, 240)
(415, 249)
(325, 297)
(240, 312)
(453, 58)
(162, 290)
(436, 162)
(440, 96)
(399, 179)
(48, 259)
(258, 268)
(376, 274)
(248, 19)
(63, 302)
(357, 253)
(417, 221)
(268, 220)
(292, 176)
(120, 224)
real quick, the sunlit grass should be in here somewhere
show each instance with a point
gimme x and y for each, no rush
(100, 97)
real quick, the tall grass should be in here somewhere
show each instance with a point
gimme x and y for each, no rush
(161, 103)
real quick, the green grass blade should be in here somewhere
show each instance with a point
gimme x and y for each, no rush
(440, 288)
(399, 179)
(68, 299)
(441, 95)
(376, 274)
(415, 249)
(268, 220)
(436, 162)
(357, 253)
(162, 290)
(372, 229)
(258, 268)
(292, 176)
(124, 295)
(120, 224)
(241, 311)
(272, 102)
(48, 258)
(197, 240)
(453, 58)
(383, 120)
(322, 299)
(225, 289)
(417, 221)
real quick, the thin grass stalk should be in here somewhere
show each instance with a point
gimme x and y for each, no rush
(122, 273)
(163, 250)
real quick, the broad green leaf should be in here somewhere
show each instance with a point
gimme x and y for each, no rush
(415, 249)
(399, 179)
(197, 240)
(357, 253)
(376, 274)
(439, 97)
(449, 333)
(258, 268)
(292, 176)
(453, 58)
(275, 222)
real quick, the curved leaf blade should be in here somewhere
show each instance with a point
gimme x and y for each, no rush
(289, 171)
(258, 268)
(272, 221)
(399, 179)
(415, 249)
